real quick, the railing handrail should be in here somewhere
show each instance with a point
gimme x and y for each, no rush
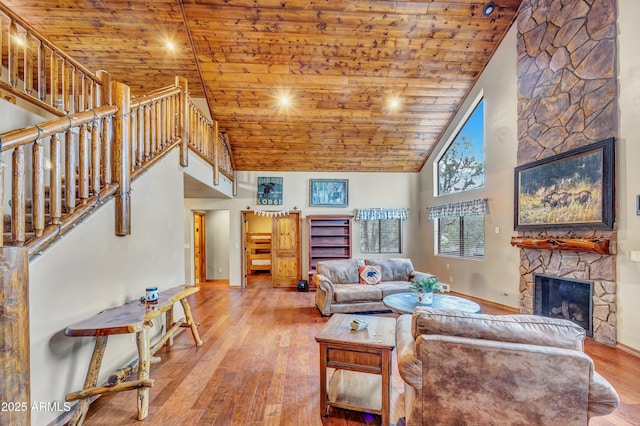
(51, 79)
(154, 96)
(24, 24)
(106, 147)
(27, 135)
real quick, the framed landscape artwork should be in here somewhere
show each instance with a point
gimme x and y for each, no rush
(328, 192)
(574, 189)
(270, 191)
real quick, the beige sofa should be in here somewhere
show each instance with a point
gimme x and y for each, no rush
(339, 289)
(470, 369)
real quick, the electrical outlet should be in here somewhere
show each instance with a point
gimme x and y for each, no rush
(450, 279)
(445, 287)
(635, 256)
(219, 269)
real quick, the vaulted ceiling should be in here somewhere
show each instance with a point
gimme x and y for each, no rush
(340, 62)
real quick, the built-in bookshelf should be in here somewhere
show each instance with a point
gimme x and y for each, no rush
(329, 239)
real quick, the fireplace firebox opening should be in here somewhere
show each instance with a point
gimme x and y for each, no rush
(566, 298)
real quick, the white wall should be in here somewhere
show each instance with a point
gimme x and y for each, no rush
(496, 277)
(628, 178)
(16, 117)
(217, 228)
(91, 269)
(366, 190)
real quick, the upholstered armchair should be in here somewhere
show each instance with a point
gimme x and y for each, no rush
(470, 369)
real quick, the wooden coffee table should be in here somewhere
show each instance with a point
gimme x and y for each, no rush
(405, 303)
(361, 364)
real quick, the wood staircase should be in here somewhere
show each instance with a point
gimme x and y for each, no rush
(103, 139)
(30, 231)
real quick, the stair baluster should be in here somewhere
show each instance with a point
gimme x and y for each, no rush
(37, 191)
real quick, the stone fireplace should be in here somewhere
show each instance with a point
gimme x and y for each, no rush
(593, 267)
(567, 98)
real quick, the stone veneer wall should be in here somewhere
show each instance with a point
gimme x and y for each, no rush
(567, 98)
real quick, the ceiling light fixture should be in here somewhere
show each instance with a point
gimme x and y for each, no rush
(488, 8)
(284, 101)
(170, 46)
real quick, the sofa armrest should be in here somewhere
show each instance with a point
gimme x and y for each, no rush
(409, 365)
(324, 293)
(603, 398)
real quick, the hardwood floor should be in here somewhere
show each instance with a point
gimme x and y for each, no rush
(259, 365)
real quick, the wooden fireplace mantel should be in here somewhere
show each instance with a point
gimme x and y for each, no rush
(593, 245)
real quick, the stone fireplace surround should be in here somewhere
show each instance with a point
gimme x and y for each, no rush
(567, 98)
(599, 268)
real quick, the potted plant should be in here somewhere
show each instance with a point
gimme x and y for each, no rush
(424, 286)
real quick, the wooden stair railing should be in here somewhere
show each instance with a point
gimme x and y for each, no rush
(77, 162)
(40, 73)
(205, 139)
(103, 140)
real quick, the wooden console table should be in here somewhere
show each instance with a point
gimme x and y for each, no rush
(361, 361)
(134, 317)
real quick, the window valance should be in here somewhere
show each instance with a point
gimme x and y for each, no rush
(460, 208)
(380, 214)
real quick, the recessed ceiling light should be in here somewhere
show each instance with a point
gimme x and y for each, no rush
(284, 101)
(170, 45)
(394, 103)
(488, 8)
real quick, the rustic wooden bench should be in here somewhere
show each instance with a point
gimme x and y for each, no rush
(134, 317)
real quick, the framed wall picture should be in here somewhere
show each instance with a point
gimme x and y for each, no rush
(270, 191)
(574, 189)
(328, 192)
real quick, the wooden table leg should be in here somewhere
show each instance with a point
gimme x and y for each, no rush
(386, 387)
(168, 321)
(91, 379)
(324, 408)
(144, 365)
(190, 321)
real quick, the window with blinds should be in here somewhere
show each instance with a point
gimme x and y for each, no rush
(380, 236)
(459, 228)
(461, 236)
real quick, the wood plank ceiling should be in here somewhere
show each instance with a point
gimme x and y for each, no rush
(340, 62)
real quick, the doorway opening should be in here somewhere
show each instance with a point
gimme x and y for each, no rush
(271, 249)
(258, 245)
(211, 241)
(199, 247)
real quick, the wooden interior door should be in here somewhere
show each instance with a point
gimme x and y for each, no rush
(285, 253)
(199, 247)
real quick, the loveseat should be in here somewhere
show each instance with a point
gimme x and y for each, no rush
(340, 288)
(477, 369)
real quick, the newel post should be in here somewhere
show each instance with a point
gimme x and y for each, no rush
(122, 157)
(183, 113)
(104, 93)
(14, 336)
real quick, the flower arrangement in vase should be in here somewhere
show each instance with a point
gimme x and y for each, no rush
(424, 286)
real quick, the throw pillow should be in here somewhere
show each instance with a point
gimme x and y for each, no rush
(370, 274)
